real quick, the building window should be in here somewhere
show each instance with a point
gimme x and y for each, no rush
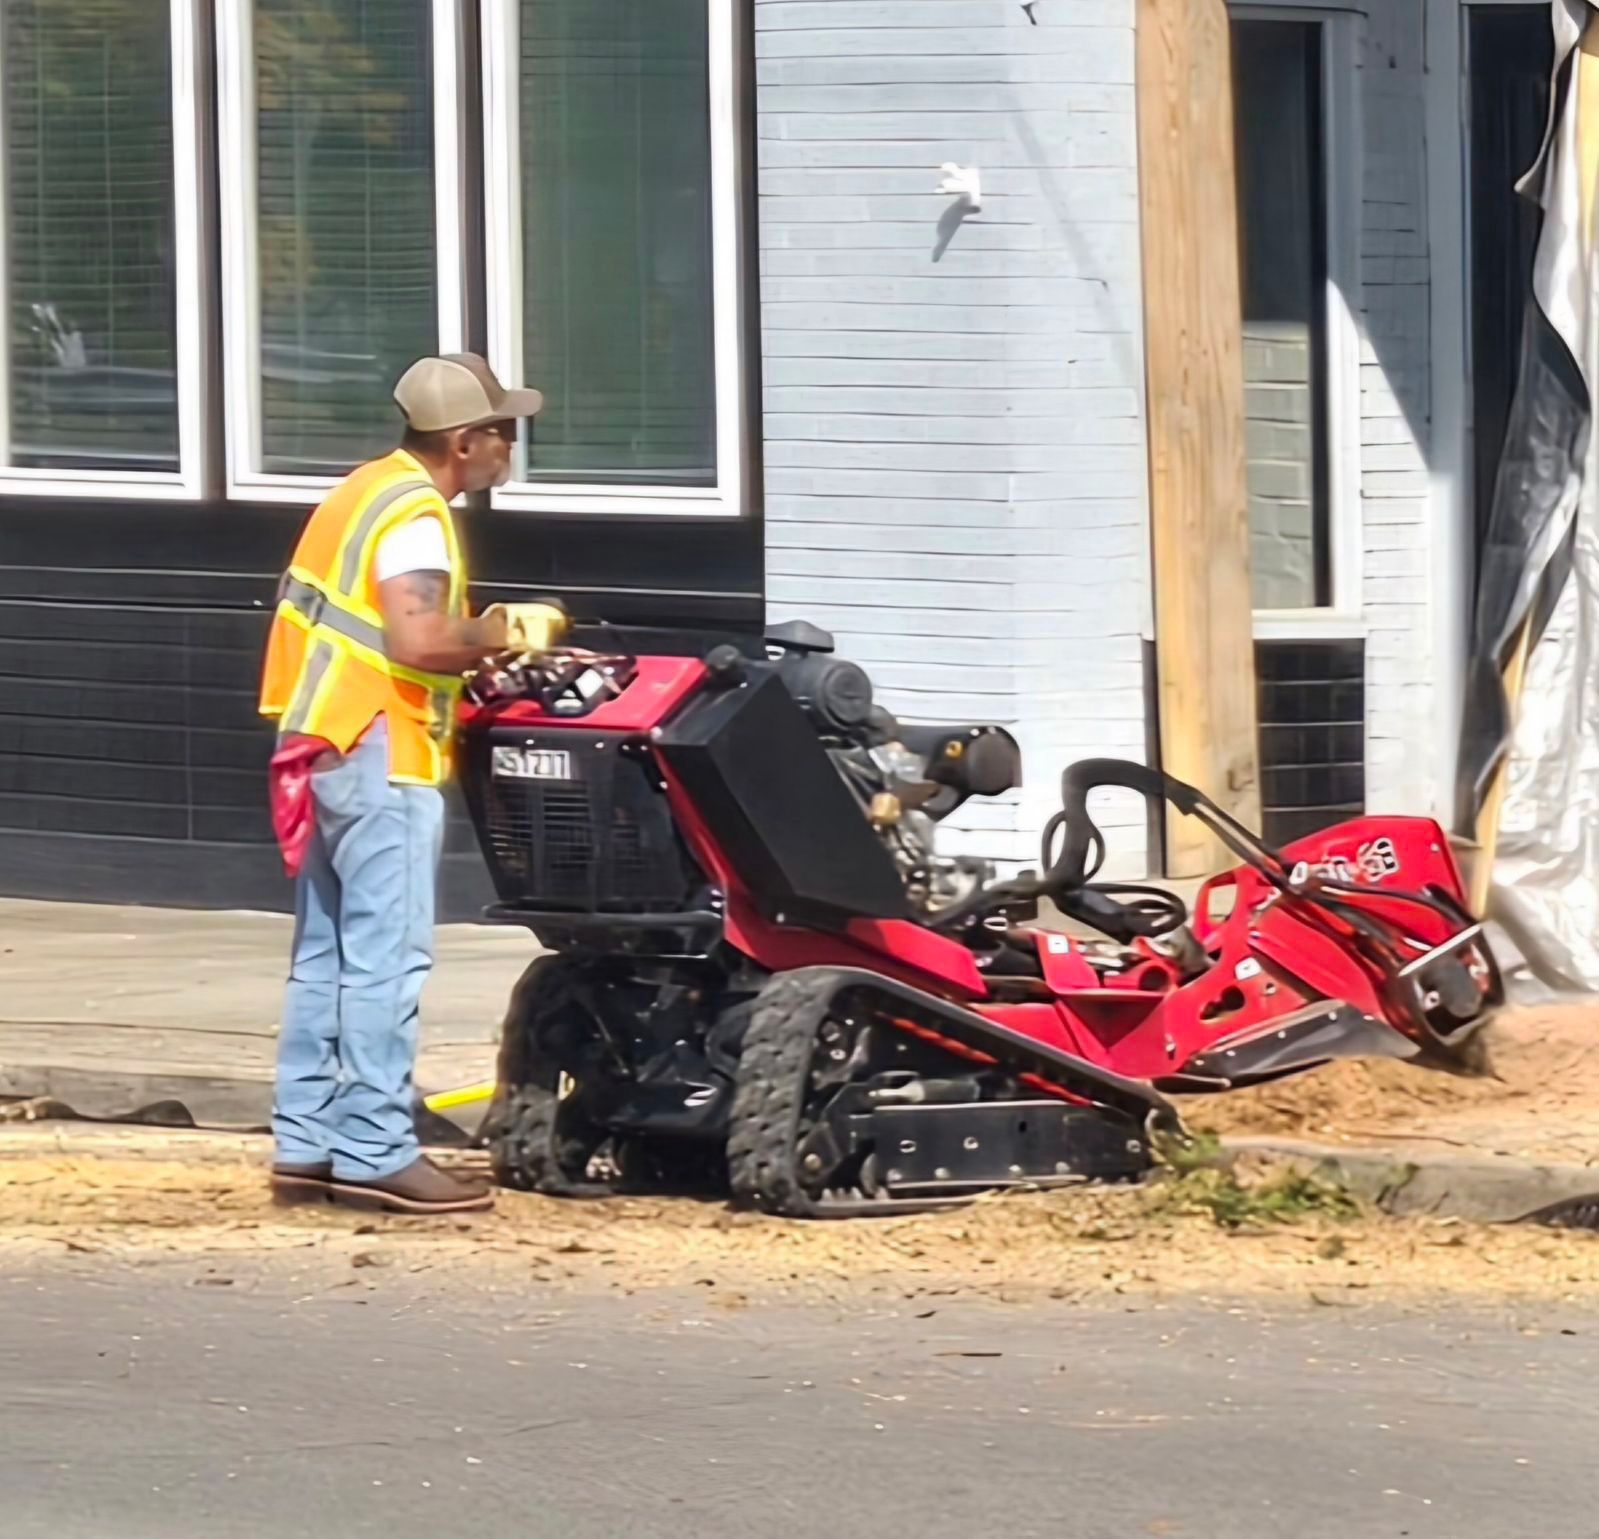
(1312, 710)
(612, 155)
(616, 239)
(612, 284)
(337, 258)
(348, 253)
(96, 242)
(1280, 155)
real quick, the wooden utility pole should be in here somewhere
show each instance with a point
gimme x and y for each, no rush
(1199, 507)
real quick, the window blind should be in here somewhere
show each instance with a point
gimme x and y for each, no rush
(1282, 196)
(617, 252)
(348, 249)
(86, 234)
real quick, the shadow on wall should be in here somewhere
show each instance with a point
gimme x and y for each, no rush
(1290, 220)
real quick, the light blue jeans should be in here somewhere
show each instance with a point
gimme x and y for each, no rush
(363, 948)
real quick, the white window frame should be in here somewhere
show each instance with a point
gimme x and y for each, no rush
(1451, 458)
(1343, 618)
(241, 287)
(503, 199)
(189, 139)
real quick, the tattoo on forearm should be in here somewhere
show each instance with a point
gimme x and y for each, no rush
(424, 593)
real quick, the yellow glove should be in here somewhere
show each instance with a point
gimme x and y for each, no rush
(530, 627)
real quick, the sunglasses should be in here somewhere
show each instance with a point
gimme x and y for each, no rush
(505, 430)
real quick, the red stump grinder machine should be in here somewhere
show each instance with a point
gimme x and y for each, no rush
(762, 976)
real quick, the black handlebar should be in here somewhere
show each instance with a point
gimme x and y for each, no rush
(1069, 872)
(1071, 868)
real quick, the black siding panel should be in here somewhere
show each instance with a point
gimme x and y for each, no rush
(675, 573)
(132, 760)
(190, 874)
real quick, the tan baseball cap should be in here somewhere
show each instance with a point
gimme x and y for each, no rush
(459, 390)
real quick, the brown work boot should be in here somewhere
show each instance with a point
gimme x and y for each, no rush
(420, 1188)
(301, 1183)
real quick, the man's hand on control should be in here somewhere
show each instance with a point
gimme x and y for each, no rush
(492, 628)
(530, 629)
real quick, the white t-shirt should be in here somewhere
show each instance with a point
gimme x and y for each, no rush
(416, 546)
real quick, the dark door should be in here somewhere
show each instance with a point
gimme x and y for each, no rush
(1510, 53)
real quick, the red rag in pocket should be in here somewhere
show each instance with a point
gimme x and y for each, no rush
(293, 811)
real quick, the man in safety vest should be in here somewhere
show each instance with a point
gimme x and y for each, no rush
(363, 672)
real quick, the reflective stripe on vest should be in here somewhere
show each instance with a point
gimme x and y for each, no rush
(361, 531)
(328, 670)
(312, 608)
(317, 663)
(443, 722)
(315, 607)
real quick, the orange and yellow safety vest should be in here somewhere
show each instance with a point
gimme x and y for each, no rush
(327, 672)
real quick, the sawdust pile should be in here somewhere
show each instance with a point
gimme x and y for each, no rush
(211, 1215)
(199, 1201)
(1538, 1096)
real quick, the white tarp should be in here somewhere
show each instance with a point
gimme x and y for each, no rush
(1542, 567)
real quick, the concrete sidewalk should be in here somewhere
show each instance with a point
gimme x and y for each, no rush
(111, 1009)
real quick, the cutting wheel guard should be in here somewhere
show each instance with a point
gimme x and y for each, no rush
(1435, 972)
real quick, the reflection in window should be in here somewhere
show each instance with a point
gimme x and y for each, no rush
(86, 235)
(616, 186)
(348, 250)
(1283, 258)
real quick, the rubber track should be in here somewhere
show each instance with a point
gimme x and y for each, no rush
(526, 1130)
(763, 1126)
(763, 1130)
(520, 1125)
(1568, 1213)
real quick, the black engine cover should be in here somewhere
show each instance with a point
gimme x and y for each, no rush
(774, 801)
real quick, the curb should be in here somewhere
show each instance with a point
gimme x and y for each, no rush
(84, 1098)
(1441, 1185)
(1497, 1191)
(130, 1141)
(204, 1148)
(117, 1094)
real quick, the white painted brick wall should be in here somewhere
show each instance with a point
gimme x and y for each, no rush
(956, 477)
(956, 474)
(1278, 449)
(1395, 407)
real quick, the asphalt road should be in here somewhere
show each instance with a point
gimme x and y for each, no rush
(141, 1405)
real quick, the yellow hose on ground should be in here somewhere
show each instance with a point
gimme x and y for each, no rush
(467, 1095)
